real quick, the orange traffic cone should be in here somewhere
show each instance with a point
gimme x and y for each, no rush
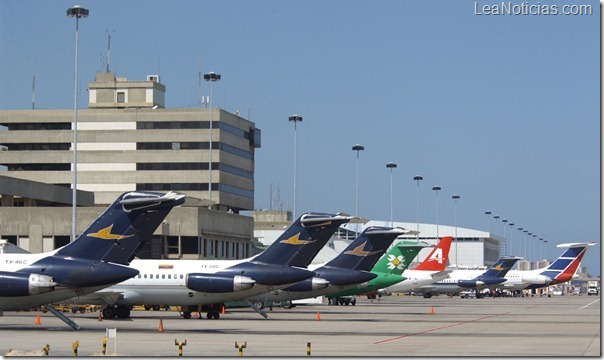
(161, 326)
(38, 322)
(223, 311)
(318, 316)
(100, 316)
(432, 311)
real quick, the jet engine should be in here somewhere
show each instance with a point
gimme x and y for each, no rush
(311, 284)
(480, 282)
(218, 283)
(536, 279)
(21, 284)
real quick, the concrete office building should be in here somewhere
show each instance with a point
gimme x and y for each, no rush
(128, 140)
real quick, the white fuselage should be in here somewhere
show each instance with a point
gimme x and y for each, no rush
(515, 280)
(416, 279)
(163, 282)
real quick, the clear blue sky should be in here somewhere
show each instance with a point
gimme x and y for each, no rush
(503, 110)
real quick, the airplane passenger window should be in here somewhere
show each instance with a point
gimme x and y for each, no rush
(163, 276)
(169, 276)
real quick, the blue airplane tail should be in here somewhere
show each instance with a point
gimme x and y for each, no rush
(123, 228)
(366, 249)
(303, 240)
(493, 276)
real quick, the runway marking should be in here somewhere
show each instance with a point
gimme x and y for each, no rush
(593, 302)
(438, 328)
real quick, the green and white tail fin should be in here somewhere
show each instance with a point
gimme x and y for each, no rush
(395, 261)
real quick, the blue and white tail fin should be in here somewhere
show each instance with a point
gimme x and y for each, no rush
(123, 228)
(303, 240)
(565, 266)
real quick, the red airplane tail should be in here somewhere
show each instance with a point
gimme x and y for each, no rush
(437, 259)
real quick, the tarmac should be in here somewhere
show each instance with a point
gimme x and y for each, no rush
(395, 326)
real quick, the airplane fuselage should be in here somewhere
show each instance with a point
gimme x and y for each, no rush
(163, 282)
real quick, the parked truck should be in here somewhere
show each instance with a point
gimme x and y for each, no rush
(593, 288)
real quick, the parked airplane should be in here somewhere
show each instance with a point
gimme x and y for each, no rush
(96, 259)
(349, 269)
(476, 279)
(191, 283)
(429, 271)
(561, 270)
(388, 270)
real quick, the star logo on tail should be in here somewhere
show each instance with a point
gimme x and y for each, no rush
(295, 240)
(358, 251)
(106, 234)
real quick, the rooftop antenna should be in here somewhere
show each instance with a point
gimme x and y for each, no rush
(108, 49)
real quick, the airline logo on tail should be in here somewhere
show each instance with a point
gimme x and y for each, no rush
(437, 260)
(397, 262)
(499, 267)
(358, 251)
(106, 234)
(565, 266)
(295, 240)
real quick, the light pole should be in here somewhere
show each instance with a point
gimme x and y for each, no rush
(391, 166)
(511, 233)
(358, 148)
(211, 77)
(526, 252)
(530, 251)
(455, 198)
(541, 250)
(545, 254)
(488, 213)
(505, 241)
(77, 12)
(417, 178)
(436, 189)
(295, 119)
(496, 217)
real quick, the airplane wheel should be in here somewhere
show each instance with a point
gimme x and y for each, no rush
(216, 315)
(109, 312)
(259, 304)
(288, 305)
(186, 315)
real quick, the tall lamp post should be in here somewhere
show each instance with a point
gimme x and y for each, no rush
(511, 233)
(436, 189)
(505, 240)
(77, 12)
(455, 198)
(358, 148)
(526, 250)
(391, 166)
(488, 213)
(295, 119)
(417, 178)
(496, 217)
(211, 77)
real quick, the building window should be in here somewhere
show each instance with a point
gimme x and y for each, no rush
(121, 97)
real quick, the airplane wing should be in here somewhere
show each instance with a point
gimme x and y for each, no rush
(106, 297)
(441, 275)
